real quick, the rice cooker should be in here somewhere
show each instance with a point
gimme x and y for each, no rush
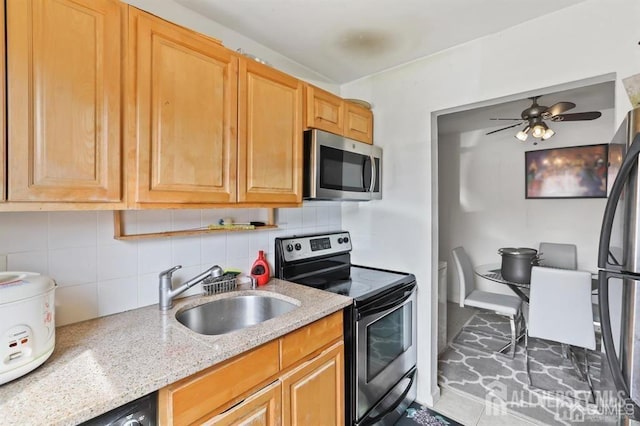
(27, 325)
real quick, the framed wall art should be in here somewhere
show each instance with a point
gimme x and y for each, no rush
(571, 172)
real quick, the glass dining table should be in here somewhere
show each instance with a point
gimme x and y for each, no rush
(492, 272)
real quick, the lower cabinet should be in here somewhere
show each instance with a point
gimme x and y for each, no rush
(313, 394)
(297, 379)
(263, 408)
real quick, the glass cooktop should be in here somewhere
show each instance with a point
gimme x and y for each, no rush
(362, 284)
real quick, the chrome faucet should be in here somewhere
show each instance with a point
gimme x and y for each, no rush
(167, 293)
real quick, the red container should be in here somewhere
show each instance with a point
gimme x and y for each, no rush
(260, 269)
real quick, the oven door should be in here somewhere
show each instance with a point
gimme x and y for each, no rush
(386, 345)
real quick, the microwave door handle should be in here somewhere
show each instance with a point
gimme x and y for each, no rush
(373, 173)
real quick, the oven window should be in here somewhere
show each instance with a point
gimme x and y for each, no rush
(387, 339)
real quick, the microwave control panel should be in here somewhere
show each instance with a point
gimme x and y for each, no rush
(309, 246)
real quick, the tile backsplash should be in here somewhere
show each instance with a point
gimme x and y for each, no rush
(98, 275)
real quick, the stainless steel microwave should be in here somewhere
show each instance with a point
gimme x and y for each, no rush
(338, 168)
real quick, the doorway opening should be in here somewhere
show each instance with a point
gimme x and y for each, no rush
(479, 190)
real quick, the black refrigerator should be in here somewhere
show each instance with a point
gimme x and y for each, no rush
(619, 266)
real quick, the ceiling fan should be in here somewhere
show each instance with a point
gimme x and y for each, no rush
(534, 119)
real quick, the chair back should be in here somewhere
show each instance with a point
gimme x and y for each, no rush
(462, 272)
(556, 255)
(560, 306)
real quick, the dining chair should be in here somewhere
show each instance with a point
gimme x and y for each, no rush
(560, 310)
(557, 255)
(502, 304)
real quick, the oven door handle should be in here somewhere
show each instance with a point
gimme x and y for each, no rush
(395, 302)
(372, 420)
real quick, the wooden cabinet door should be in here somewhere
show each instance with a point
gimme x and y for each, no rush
(313, 394)
(205, 394)
(64, 99)
(183, 113)
(358, 123)
(270, 135)
(261, 409)
(324, 110)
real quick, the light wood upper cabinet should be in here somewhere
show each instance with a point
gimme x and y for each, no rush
(270, 135)
(183, 113)
(326, 111)
(64, 100)
(358, 123)
(313, 393)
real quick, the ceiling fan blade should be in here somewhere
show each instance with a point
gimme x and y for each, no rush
(504, 128)
(578, 116)
(558, 108)
(519, 119)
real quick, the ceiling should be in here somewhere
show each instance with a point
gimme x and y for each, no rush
(344, 40)
(594, 97)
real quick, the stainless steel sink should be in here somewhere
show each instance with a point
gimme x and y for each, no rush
(233, 313)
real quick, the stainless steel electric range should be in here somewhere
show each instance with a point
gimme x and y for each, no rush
(379, 328)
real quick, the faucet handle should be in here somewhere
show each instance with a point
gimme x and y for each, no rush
(169, 271)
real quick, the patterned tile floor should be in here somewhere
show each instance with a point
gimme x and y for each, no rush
(501, 383)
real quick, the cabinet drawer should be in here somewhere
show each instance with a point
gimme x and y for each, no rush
(194, 397)
(303, 342)
(262, 408)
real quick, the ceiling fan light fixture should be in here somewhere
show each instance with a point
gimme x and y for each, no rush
(533, 118)
(539, 130)
(523, 134)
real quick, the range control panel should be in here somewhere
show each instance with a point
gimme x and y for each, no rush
(309, 246)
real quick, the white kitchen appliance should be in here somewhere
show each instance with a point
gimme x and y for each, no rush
(27, 325)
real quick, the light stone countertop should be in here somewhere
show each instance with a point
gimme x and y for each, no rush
(103, 363)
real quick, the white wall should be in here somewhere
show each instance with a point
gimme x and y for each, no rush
(98, 275)
(178, 14)
(482, 204)
(592, 38)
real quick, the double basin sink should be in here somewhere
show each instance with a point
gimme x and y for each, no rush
(233, 313)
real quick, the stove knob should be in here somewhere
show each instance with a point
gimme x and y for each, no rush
(298, 246)
(289, 247)
(346, 240)
(340, 240)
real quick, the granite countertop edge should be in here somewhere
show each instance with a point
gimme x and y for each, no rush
(103, 363)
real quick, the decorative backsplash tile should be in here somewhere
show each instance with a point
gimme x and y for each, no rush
(98, 275)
